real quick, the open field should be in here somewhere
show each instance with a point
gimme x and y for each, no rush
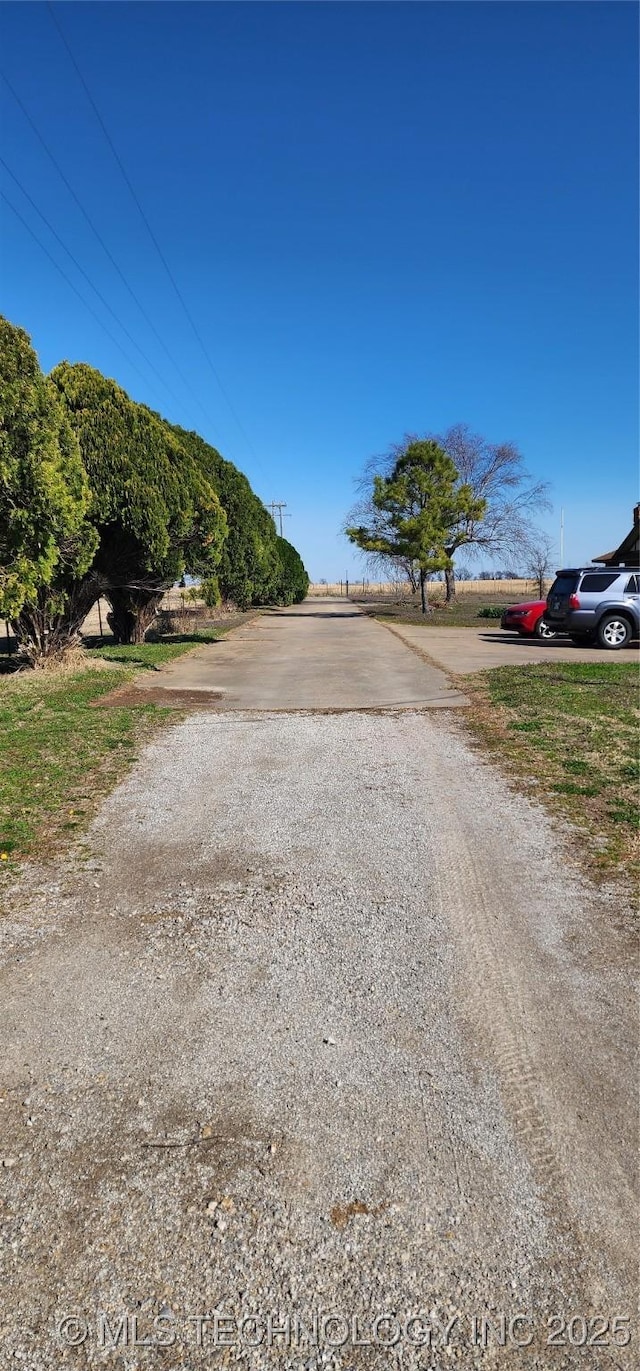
(463, 612)
(360, 587)
(569, 733)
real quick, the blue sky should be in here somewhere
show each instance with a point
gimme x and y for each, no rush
(382, 217)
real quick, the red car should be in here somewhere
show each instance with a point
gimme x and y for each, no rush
(528, 619)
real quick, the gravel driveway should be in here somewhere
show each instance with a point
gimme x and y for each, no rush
(320, 1033)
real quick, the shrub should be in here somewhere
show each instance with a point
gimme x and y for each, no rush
(491, 611)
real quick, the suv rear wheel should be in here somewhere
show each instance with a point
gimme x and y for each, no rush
(613, 631)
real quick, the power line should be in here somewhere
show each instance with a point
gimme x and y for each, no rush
(278, 505)
(87, 278)
(150, 231)
(100, 239)
(74, 288)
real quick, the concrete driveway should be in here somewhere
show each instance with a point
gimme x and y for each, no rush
(324, 655)
(470, 649)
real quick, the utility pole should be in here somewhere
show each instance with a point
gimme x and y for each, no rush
(561, 537)
(278, 505)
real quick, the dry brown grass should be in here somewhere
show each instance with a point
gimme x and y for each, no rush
(569, 733)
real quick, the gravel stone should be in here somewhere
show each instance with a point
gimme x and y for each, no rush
(464, 1149)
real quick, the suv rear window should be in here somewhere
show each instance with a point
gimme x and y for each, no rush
(564, 585)
(598, 581)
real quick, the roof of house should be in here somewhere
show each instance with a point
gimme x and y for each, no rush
(628, 552)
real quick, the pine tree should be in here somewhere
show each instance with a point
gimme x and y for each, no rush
(415, 508)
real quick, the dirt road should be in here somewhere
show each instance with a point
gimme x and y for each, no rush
(322, 1034)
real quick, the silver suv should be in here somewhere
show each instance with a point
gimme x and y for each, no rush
(596, 605)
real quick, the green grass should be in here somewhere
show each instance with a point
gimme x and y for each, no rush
(570, 731)
(153, 654)
(60, 754)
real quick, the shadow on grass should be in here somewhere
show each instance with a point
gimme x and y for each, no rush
(154, 652)
(203, 636)
(144, 654)
(9, 663)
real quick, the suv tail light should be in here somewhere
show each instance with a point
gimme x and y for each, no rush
(574, 602)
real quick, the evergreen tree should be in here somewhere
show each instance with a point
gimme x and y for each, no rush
(156, 514)
(294, 581)
(250, 569)
(415, 508)
(101, 496)
(46, 541)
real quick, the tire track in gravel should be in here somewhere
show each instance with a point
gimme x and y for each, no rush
(484, 902)
(494, 1005)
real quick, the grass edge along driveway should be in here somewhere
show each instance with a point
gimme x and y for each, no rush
(569, 733)
(60, 756)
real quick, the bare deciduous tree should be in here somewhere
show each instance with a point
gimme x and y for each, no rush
(539, 558)
(496, 473)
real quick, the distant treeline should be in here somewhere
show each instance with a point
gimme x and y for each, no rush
(101, 496)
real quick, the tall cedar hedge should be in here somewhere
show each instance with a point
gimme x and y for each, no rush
(294, 581)
(99, 495)
(47, 542)
(249, 572)
(156, 513)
